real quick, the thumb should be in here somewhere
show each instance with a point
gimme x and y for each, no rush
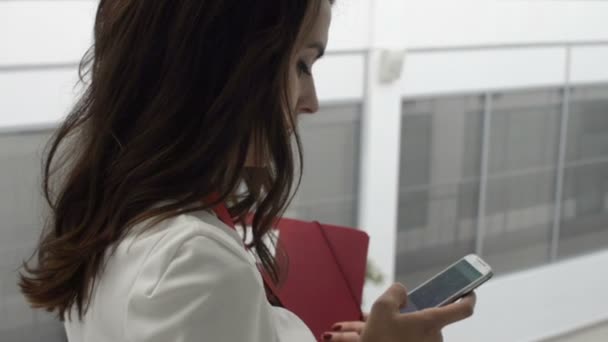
(391, 301)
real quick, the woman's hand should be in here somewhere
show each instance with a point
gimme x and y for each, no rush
(346, 331)
(386, 324)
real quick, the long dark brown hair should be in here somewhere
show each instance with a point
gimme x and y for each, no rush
(176, 93)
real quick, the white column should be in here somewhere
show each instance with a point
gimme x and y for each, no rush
(380, 142)
(379, 178)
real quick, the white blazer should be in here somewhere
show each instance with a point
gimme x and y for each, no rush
(186, 279)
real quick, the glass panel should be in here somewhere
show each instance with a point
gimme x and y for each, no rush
(20, 210)
(524, 143)
(330, 142)
(439, 184)
(584, 216)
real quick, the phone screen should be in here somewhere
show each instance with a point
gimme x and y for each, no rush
(442, 287)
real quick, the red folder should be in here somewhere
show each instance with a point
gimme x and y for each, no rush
(324, 283)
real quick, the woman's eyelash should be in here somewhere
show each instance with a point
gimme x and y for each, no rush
(303, 68)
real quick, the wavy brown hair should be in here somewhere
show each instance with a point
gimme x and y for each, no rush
(176, 93)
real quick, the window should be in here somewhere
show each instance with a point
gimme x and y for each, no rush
(522, 169)
(330, 143)
(584, 216)
(20, 210)
(439, 184)
(440, 179)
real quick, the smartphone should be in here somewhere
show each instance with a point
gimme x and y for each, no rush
(451, 284)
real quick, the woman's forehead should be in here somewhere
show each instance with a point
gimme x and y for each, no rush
(319, 28)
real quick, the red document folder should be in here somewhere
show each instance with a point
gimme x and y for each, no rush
(324, 283)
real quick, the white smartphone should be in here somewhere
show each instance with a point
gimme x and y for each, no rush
(451, 284)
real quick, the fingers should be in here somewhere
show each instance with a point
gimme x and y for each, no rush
(355, 326)
(391, 301)
(454, 312)
(341, 337)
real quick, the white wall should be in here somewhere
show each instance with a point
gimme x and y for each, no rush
(60, 31)
(36, 98)
(429, 73)
(424, 24)
(589, 64)
(53, 31)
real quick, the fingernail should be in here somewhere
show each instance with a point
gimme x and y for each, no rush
(326, 337)
(337, 327)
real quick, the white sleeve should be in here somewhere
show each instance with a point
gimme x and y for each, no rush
(200, 291)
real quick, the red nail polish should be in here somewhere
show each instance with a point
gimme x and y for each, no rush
(337, 327)
(326, 337)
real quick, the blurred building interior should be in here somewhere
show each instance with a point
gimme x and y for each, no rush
(491, 137)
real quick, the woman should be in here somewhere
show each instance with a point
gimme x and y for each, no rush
(186, 127)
